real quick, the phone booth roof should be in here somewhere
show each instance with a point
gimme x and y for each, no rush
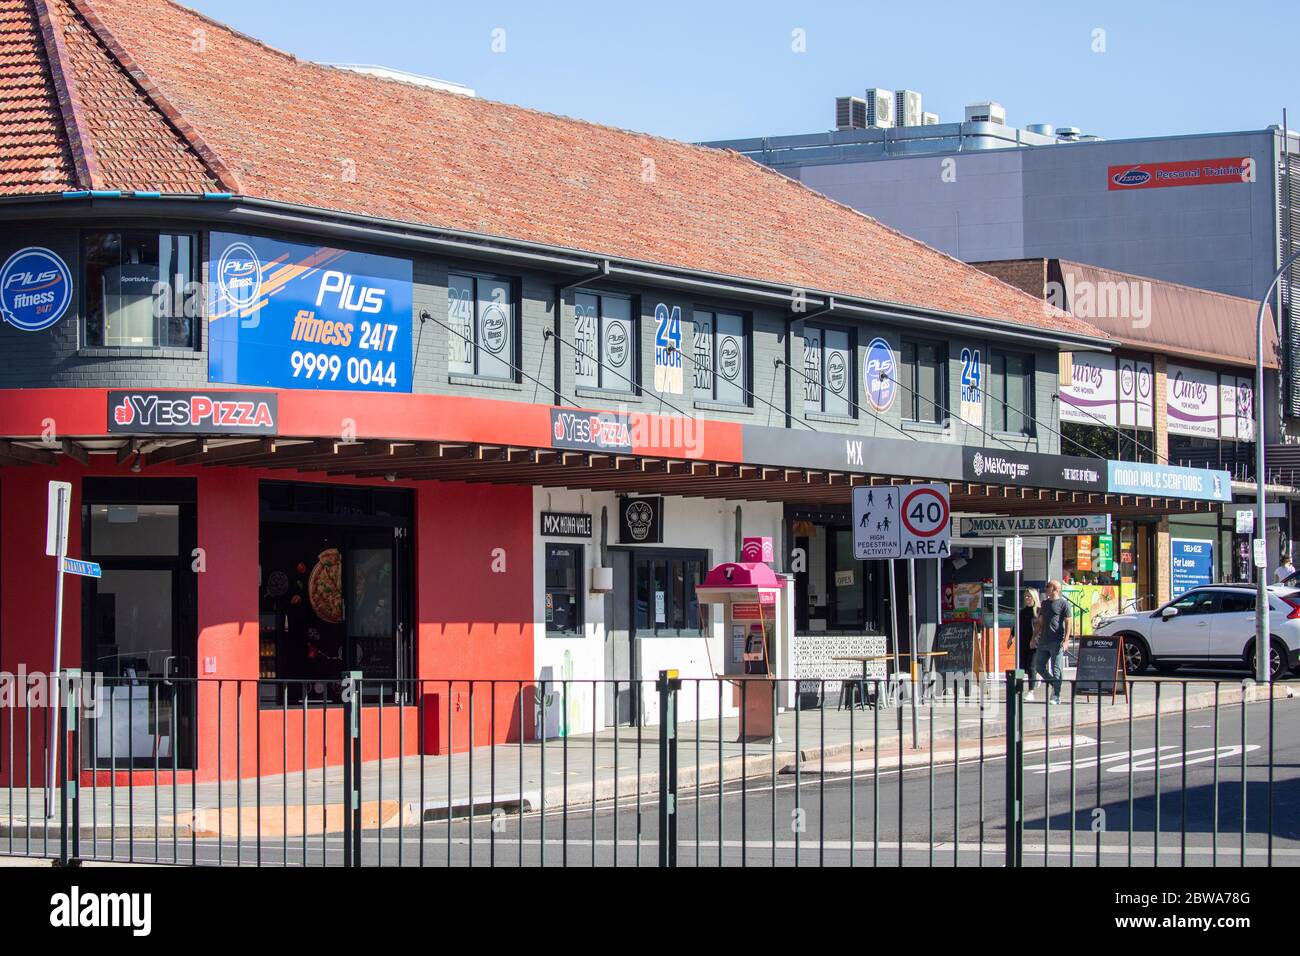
(736, 580)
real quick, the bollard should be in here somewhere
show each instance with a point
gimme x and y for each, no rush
(1015, 770)
(668, 685)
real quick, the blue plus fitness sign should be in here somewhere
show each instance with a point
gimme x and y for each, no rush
(880, 375)
(35, 289)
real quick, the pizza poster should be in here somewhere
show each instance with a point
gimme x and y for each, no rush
(287, 315)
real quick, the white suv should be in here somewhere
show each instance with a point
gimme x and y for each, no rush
(1209, 625)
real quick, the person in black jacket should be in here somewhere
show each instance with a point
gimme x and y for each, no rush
(1028, 620)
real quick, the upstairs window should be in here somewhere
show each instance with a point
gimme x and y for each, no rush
(1011, 392)
(721, 358)
(482, 337)
(923, 376)
(140, 289)
(828, 371)
(605, 342)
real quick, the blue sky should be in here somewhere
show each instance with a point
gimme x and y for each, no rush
(712, 70)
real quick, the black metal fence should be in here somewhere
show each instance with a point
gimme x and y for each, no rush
(954, 770)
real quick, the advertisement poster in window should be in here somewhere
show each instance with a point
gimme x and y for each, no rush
(1193, 402)
(972, 388)
(1191, 562)
(1136, 390)
(286, 315)
(1236, 408)
(1089, 397)
(880, 375)
(668, 349)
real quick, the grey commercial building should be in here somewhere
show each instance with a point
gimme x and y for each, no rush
(1212, 210)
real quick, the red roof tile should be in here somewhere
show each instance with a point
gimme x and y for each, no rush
(34, 153)
(291, 130)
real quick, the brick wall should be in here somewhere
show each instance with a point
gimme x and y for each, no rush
(1028, 275)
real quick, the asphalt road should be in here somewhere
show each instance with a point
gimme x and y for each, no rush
(1137, 809)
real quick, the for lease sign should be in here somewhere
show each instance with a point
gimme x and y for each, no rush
(1191, 172)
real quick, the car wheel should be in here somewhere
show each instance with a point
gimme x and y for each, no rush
(1277, 668)
(1136, 657)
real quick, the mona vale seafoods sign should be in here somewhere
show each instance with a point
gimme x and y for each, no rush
(287, 315)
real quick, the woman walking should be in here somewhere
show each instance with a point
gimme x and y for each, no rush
(1028, 618)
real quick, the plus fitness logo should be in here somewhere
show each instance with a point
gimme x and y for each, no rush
(35, 289)
(239, 275)
(880, 377)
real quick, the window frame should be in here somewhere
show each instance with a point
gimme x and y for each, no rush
(912, 401)
(1000, 414)
(746, 367)
(513, 361)
(579, 591)
(632, 384)
(851, 349)
(198, 259)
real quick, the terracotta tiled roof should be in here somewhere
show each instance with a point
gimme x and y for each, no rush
(34, 153)
(290, 130)
(75, 114)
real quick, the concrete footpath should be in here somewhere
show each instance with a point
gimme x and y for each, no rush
(609, 765)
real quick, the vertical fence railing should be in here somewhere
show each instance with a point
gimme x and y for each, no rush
(375, 771)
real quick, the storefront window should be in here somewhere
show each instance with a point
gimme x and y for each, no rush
(664, 587)
(140, 289)
(721, 358)
(923, 375)
(1011, 390)
(605, 342)
(334, 590)
(481, 316)
(828, 371)
(564, 566)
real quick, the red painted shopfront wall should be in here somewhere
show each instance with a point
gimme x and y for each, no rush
(472, 613)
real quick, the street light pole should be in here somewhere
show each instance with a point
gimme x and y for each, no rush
(1263, 646)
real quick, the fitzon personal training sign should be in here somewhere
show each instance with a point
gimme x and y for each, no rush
(286, 315)
(35, 289)
(901, 521)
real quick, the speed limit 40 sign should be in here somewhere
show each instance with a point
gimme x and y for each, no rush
(901, 521)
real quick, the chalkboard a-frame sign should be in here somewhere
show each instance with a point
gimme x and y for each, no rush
(1100, 667)
(961, 650)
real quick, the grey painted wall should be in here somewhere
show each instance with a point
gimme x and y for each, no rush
(1053, 201)
(57, 358)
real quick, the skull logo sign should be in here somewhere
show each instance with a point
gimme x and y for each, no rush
(640, 519)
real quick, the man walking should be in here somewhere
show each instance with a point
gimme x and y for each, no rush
(1051, 638)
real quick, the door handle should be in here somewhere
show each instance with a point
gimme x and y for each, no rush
(167, 669)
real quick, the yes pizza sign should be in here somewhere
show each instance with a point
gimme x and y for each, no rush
(901, 521)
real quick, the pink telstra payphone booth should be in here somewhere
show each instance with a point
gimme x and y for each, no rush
(755, 604)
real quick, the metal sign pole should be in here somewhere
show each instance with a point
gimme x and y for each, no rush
(893, 615)
(913, 641)
(997, 569)
(52, 738)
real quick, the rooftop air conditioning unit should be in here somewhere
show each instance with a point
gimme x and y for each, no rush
(880, 108)
(987, 111)
(850, 112)
(907, 108)
(929, 119)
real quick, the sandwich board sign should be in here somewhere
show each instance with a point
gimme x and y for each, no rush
(901, 521)
(1100, 667)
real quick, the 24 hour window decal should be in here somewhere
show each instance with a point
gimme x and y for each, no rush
(287, 315)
